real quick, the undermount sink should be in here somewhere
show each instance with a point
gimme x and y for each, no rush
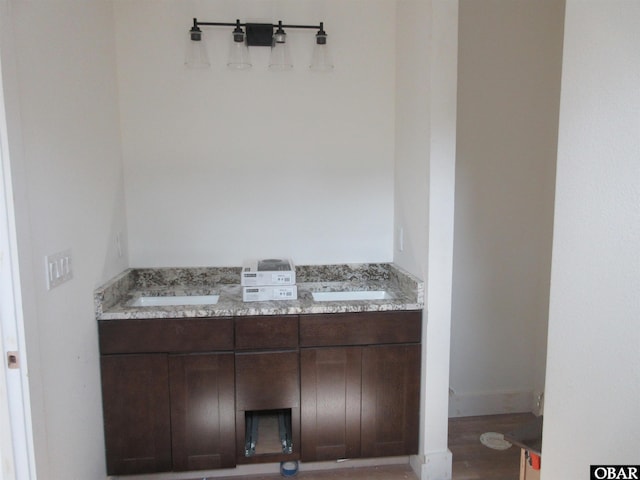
(351, 295)
(175, 300)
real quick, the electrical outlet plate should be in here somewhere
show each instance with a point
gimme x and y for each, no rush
(59, 268)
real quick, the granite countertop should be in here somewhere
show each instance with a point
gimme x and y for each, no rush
(112, 300)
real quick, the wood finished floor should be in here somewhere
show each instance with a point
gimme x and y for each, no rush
(389, 472)
(471, 459)
(474, 461)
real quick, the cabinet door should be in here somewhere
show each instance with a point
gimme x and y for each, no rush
(202, 411)
(390, 400)
(330, 403)
(136, 413)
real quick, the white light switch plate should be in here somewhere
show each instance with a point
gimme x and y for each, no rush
(59, 268)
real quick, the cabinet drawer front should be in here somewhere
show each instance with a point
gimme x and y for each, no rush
(166, 335)
(366, 328)
(267, 381)
(260, 332)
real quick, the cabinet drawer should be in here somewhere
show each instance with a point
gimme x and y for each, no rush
(260, 332)
(166, 335)
(366, 328)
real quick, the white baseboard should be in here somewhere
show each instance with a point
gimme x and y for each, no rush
(538, 403)
(354, 463)
(270, 468)
(433, 466)
(490, 403)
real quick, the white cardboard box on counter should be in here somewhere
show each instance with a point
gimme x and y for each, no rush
(270, 271)
(266, 293)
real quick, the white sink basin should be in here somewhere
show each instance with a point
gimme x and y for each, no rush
(175, 300)
(351, 295)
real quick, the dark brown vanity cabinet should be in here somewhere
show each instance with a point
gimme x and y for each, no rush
(168, 394)
(360, 384)
(194, 394)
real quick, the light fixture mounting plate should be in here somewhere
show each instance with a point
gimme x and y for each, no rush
(259, 34)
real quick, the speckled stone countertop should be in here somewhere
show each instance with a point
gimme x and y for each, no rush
(113, 299)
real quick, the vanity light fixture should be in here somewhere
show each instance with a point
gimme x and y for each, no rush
(238, 50)
(321, 59)
(196, 56)
(257, 35)
(280, 58)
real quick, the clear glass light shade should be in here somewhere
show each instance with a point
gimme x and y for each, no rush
(238, 58)
(321, 60)
(196, 55)
(280, 58)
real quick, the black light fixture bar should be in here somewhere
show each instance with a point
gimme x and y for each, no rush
(258, 34)
(197, 23)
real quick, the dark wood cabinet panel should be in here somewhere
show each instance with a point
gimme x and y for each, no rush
(330, 403)
(267, 380)
(360, 401)
(368, 328)
(266, 332)
(390, 400)
(202, 411)
(136, 413)
(166, 335)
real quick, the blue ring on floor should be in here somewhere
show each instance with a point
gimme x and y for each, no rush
(289, 469)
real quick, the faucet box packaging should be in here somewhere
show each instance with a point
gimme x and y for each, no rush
(266, 293)
(271, 271)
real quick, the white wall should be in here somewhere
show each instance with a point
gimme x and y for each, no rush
(593, 365)
(59, 77)
(203, 148)
(508, 94)
(426, 69)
